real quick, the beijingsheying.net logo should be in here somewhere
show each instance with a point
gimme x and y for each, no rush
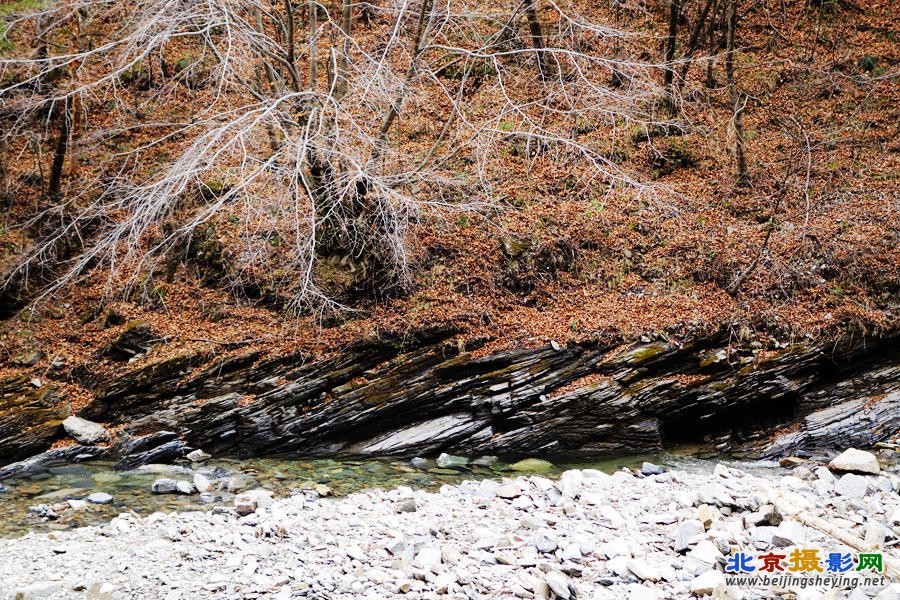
(805, 567)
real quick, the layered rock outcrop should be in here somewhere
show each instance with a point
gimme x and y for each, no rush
(424, 396)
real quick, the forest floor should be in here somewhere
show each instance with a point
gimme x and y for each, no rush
(813, 240)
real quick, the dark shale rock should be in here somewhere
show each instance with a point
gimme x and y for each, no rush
(29, 359)
(163, 454)
(431, 399)
(30, 417)
(137, 338)
(423, 397)
(45, 460)
(157, 447)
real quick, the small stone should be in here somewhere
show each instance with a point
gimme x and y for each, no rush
(395, 546)
(856, 461)
(406, 506)
(648, 468)
(558, 584)
(198, 456)
(184, 487)
(852, 486)
(532, 465)
(450, 461)
(164, 486)
(37, 591)
(509, 490)
(251, 501)
(428, 558)
(706, 553)
(686, 534)
(707, 514)
(420, 463)
(202, 483)
(707, 583)
(544, 543)
(100, 498)
(789, 533)
(643, 570)
(789, 462)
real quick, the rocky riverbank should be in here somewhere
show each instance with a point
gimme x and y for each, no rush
(633, 534)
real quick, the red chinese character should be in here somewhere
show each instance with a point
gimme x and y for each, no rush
(771, 562)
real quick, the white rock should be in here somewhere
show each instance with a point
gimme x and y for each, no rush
(705, 552)
(395, 546)
(875, 534)
(686, 534)
(558, 584)
(37, 591)
(789, 533)
(707, 583)
(198, 456)
(99, 498)
(570, 483)
(857, 461)
(643, 570)
(164, 485)
(637, 591)
(509, 490)
(250, 501)
(202, 483)
(852, 486)
(84, 431)
(428, 557)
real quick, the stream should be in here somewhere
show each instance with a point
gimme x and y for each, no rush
(23, 499)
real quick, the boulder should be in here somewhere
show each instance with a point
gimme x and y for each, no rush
(84, 431)
(852, 460)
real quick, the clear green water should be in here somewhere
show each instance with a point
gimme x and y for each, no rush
(131, 489)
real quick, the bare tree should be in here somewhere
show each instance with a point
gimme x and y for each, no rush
(738, 100)
(323, 170)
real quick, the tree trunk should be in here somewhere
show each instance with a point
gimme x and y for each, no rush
(734, 94)
(313, 30)
(711, 36)
(671, 40)
(59, 154)
(537, 38)
(694, 40)
(344, 58)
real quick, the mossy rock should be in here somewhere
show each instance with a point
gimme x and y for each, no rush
(136, 339)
